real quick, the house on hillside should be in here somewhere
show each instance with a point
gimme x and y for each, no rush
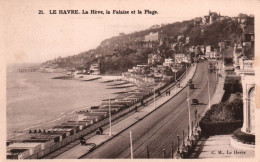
(205, 20)
(152, 37)
(179, 58)
(197, 21)
(168, 62)
(192, 49)
(210, 18)
(180, 38)
(213, 17)
(154, 58)
(94, 69)
(222, 46)
(187, 40)
(209, 51)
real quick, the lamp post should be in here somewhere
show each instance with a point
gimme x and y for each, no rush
(217, 73)
(208, 90)
(110, 123)
(148, 154)
(131, 146)
(154, 94)
(175, 82)
(188, 101)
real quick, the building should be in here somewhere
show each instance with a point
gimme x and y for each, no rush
(153, 59)
(197, 20)
(94, 69)
(216, 54)
(244, 63)
(248, 40)
(247, 74)
(205, 20)
(237, 54)
(187, 40)
(168, 62)
(152, 37)
(179, 58)
(210, 18)
(180, 38)
(192, 49)
(222, 46)
(209, 51)
(213, 17)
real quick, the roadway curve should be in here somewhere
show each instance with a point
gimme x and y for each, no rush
(161, 127)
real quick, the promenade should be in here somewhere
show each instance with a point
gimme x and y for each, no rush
(78, 151)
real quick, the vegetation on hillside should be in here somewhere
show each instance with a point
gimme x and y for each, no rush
(127, 49)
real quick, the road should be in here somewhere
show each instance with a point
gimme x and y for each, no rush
(160, 128)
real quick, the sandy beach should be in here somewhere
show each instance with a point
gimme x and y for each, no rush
(34, 100)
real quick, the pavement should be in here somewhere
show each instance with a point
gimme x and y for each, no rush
(219, 146)
(219, 91)
(78, 151)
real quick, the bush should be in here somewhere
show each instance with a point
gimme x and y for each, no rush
(216, 128)
(243, 137)
(225, 97)
(228, 61)
(232, 85)
(229, 111)
(223, 118)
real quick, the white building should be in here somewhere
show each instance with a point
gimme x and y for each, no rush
(247, 74)
(179, 58)
(237, 54)
(151, 37)
(168, 62)
(94, 69)
(208, 51)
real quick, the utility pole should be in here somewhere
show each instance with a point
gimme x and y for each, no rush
(131, 146)
(188, 100)
(175, 82)
(110, 122)
(154, 94)
(148, 154)
(208, 91)
(217, 73)
(186, 70)
(172, 150)
(164, 154)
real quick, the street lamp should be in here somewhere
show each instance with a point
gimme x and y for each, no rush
(208, 90)
(154, 94)
(110, 123)
(175, 82)
(131, 146)
(188, 100)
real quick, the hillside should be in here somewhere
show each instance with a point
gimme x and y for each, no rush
(119, 53)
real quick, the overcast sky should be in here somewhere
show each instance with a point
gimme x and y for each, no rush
(30, 37)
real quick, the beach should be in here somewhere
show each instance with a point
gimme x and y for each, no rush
(35, 100)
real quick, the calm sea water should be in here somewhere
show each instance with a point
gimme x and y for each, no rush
(35, 98)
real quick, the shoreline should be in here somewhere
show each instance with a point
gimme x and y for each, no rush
(65, 116)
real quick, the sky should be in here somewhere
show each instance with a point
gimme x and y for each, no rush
(32, 37)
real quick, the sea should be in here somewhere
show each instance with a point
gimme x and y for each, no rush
(34, 98)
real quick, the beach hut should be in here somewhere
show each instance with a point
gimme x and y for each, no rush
(17, 153)
(33, 148)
